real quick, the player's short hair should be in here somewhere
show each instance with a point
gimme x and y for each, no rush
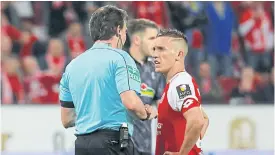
(104, 22)
(139, 25)
(173, 33)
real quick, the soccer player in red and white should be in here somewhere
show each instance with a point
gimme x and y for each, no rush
(181, 121)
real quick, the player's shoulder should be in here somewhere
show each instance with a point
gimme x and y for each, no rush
(182, 82)
(181, 79)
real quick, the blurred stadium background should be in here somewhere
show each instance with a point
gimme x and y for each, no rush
(231, 56)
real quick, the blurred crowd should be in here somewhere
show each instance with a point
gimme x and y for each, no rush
(231, 46)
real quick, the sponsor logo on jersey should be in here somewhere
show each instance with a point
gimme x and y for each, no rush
(183, 90)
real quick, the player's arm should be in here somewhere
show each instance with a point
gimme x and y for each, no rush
(206, 123)
(194, 125)
(127, 79)
(67, 107)
(184, 99)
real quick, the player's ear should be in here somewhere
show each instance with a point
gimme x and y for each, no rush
(180, 55)
(136, 40)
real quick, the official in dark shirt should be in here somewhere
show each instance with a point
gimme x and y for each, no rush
(141, 33)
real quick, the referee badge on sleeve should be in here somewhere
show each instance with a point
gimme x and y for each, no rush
(183, 90)
(133, 73)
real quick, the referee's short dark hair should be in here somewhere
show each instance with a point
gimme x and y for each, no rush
(139, 25)
(104, 22)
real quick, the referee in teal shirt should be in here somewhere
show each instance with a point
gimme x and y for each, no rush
(98, 91)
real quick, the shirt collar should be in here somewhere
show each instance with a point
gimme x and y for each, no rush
(100, 45)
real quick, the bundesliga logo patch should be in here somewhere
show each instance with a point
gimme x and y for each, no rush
(183, 91)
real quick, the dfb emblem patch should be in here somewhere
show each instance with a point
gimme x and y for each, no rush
(183, 91)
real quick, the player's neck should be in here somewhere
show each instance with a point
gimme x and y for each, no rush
(177, 68)
(137, 55)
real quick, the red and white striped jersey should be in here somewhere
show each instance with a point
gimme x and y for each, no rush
(180, 95)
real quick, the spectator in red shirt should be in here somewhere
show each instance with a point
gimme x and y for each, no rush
(9, 30)
(153, 10)
(55, 58)
(27, 39)
(256, 29)
(40, 88)
(12, 88)
(209, 88)
(75, 40)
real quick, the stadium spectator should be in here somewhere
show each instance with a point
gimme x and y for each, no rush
(30, 66)
(209, 88)
(187, 15)
(218, 37)
(75, 40)
(55, 57)
(27, 39)
(6, 47)
(40, 87)
(31, 73)
(12, 86)
(256, 29)
(243, 94)
(57, 21)
(152, 10)
(8, 29)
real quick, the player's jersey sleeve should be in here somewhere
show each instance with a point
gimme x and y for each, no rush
(64, 92)
(127, 75)
(183, 94)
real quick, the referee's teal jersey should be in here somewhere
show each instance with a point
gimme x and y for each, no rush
(93, 82)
